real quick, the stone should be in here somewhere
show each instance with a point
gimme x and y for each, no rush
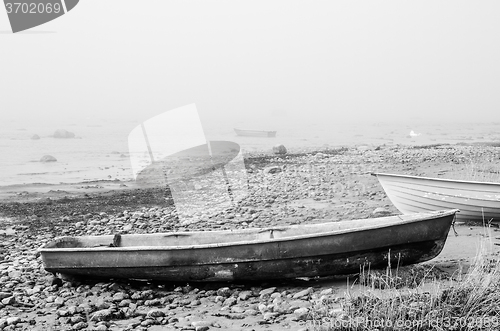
(267, 291)
(77, 319)
(102, 315)
(224, 292)
(198, 324)
(9, 301)
(303, 293)
(279, 149)
(237, 309)
(35, 137)
(327, 291)
(48, 158)
(301, 313)
(244, 295)
(80, 326)
(61, 133)
(117, 297)
(380, 211)
(229, 302)
(128, 227)
(153, 313)
(13, 320)
(272, 170)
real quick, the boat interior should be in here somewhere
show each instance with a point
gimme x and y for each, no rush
(173, 239)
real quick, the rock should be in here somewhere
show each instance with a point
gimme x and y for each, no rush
(9, 301)
(153, 313)
(59, 301)
(272, 170)
(237, 309)
(245, 295)
(77, 319)
(102, 315)
(152, 302)
(251, 312)
(60, 133)
(128, 227)
(381, 211)
(80, 326)
(199, 324)
(301, 313)
(279, 149)
(62, 313)
(303, 293)
(263, 308)
(119, 297)
(102, 304)
(229, 302)
(224, 292)
(35, 137)
(13, 320)
(48, 158)
(270, 315)
(267, 291)
(320, 155)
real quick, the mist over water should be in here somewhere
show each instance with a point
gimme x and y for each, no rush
(320, 73)
(100, 149)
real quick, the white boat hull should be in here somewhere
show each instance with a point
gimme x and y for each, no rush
(477, 201)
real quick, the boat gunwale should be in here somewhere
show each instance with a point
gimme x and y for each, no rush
(429, 216)
(377, 174)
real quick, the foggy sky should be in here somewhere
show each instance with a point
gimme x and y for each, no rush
(242, 59)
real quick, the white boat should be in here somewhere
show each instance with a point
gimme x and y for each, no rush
(477, 201)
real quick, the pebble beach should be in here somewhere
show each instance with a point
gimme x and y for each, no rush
(328, 185)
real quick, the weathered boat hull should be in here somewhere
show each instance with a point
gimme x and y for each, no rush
(403, 239)
(255, 133)
(477, 201)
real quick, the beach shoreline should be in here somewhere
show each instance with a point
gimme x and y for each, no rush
(309, 187)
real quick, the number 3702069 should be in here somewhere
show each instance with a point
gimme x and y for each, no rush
(32, 7)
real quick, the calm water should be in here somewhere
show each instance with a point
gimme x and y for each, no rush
(100, 149)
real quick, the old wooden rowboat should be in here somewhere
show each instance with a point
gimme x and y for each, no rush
(255, 133)
(477, 201)
(253, 254)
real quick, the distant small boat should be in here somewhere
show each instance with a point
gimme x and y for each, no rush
(255, 133)
(311, 250)
(412, 194)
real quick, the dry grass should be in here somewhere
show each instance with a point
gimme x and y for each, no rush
(421, 299)
(481, 169)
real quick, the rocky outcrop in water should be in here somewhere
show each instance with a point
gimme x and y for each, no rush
(279, 149)
(48, 158)
(61, 133)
